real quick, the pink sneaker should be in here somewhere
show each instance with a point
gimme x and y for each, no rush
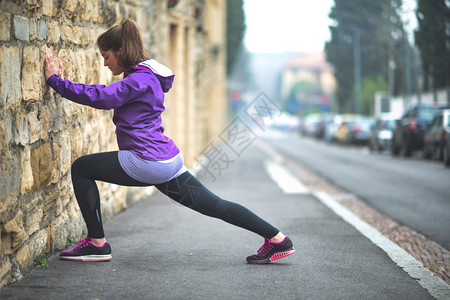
(85, 250)
(272, 251)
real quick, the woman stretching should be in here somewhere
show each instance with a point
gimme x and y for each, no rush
(146, 156)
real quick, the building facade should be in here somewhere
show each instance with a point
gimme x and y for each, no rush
(308, 81)
(41, 134)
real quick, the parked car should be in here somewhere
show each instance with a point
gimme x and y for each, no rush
(332, 127)
(381, 133)
(435, 137)
(314, 125)
(310, 125)
(447, 150)
(360, 130)
(344, 128)
(410, 129)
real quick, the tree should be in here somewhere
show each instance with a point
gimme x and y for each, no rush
(235, 31)
(433, 40)
(380, 29)
(369, 87)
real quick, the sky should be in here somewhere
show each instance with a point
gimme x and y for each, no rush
(287, 25)
(293, 25)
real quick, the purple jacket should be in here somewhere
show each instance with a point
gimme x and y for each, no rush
(137, 100)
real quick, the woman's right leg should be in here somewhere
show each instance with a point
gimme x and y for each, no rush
(188, 191)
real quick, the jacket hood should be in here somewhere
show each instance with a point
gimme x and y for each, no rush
(163, 73)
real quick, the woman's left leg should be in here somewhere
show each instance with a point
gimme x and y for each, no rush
(85, 171)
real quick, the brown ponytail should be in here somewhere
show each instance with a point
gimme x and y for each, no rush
(127, 37)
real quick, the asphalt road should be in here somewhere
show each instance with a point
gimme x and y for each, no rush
(164, 251)
(413, 191)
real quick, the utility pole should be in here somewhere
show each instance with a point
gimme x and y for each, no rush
(357, 67)
(407, 65)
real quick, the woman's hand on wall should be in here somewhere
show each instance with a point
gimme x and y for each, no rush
(50, 67)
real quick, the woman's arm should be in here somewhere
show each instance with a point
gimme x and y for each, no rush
(97, 96)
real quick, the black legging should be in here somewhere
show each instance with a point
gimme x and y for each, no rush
(185, 189)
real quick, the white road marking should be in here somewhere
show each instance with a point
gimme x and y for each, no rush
(433, 284)
(284, 179)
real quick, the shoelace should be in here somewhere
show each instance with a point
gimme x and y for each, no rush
(83, 243)
(86, 238)
(265, 248)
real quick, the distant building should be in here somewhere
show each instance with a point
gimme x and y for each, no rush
(308, 83)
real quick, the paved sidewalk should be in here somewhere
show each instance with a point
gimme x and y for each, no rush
(164, 251)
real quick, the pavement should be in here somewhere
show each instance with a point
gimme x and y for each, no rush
(162, 250)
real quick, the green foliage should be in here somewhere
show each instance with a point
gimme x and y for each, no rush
(369, 87)
(433, 40)
(41, 261)
(235, 31)
(381, 32)
(70, 240)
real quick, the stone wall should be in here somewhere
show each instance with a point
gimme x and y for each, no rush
(41, 134)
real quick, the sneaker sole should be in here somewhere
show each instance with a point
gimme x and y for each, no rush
(274, 257)
(281, 255)
(87, 258)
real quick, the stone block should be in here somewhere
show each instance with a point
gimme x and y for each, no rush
(92, 71)
(5, 269)
(33, 29)
(47, 7)
(33, 211)
(21, 129)
(75, 9)
(65, 154)
(56, 119)
(33, 5)
(69, 34)
(65, 190)
(56, 170)
(68, 59)
(15, 272)
(71, 8)
(38, 243)
(53, 32)
(42, 165)
(23, 257)
(31, 73)
(95, 10)
(77, 224)
(14, 228)
(44, 120)
(76, 142)
(85, 36)
(21, 28)
(5, 24)
(5, 136)
(35, 126)
(81, 69)
(60, 232)
(51, 205)
(89, 10)
(11, 92)
(42, 29)
(26, 171)
(9, 186)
